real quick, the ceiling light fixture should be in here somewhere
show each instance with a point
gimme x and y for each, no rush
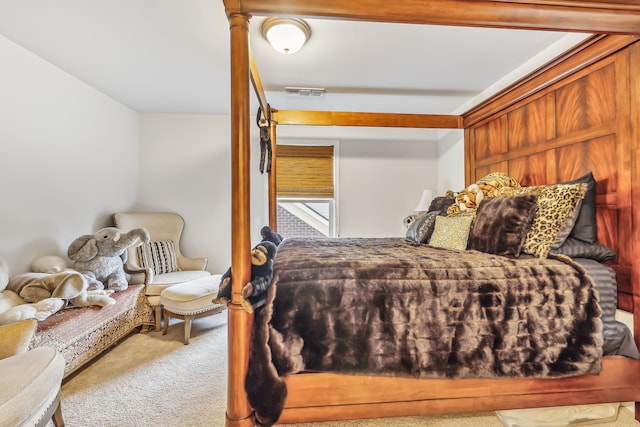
(286, 35)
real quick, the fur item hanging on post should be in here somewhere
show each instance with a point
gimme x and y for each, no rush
(265, 139)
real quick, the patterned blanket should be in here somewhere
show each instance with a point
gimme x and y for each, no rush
(392, 307)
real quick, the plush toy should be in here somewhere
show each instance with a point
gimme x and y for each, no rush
(467, 200)
(67, 285)
(100, 257)
(13, 308)
(490, 184)
(270, 235)
(254, 292)
(48, 264)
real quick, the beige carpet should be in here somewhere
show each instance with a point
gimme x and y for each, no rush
(155, 380)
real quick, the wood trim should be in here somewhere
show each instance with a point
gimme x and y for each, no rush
(333, 118)
(257, 84)
(321, 396)
(613, 17)
(581, 56)
(634, 129)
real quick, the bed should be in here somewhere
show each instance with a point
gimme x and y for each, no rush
(577, 114)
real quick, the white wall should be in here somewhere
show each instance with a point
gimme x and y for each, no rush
(451, 162)
(72, 156)
(68, 158)
(185, 167)
(381, 182)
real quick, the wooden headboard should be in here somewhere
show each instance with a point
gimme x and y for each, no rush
(578, 115)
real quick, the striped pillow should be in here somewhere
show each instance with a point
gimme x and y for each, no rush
(159, 256)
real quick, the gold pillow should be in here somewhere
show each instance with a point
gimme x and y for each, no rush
(15, 337)
(451, 232)
(556, 205)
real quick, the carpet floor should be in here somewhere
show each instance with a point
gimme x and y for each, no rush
(155, 380)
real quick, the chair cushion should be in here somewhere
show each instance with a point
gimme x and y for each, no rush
(30, 381)
(163, 281)
(192, 297)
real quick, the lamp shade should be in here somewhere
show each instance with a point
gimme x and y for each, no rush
(425, 200)
(286, 35)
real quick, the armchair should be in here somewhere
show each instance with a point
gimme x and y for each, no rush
(160, 264)
(31, 380)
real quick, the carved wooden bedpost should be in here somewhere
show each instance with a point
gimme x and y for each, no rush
(239, 328)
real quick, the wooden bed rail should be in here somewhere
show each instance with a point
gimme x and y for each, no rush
(612, 17)
(335, 118)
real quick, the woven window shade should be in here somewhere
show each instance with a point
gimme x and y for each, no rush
(304, 171)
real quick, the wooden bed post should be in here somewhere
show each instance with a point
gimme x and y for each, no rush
(239, 328)
(273, 183)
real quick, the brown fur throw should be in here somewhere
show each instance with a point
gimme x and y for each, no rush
(394, 307)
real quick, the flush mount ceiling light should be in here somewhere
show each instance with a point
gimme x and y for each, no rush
(286, 35)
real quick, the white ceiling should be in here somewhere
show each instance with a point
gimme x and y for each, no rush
(172, 56)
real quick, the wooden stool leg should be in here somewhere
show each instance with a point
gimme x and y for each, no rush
(57, 419)
(187, 329)
(158, 316)
(166, 322)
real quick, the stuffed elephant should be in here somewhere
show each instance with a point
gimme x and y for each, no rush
(100, 257)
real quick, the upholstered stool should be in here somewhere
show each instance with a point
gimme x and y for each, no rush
(30, 393)
(190, 300)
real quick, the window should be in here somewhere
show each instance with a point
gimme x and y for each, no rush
(305, 190)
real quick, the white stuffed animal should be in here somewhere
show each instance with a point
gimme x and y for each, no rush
(48, 264)
(13, 308)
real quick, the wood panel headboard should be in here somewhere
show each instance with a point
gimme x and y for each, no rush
(563, 122)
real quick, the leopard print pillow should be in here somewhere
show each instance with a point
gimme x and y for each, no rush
(556, 205)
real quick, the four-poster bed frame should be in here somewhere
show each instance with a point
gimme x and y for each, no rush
(492, 142)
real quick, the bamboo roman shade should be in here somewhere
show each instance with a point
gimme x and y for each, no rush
(304, 171)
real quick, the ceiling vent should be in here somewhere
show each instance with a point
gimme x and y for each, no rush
(312, 92)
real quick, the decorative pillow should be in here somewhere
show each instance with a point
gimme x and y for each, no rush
(451, 232)
(17, 337)
(159, 256)
(441, 203)
(586, 227)
(566, 229)
(421, 229)
(575, 248)
(556, 203)
(502, 223)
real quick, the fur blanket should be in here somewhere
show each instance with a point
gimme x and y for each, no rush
(392, 307)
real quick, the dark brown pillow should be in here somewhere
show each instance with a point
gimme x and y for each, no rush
(440, 203)
(502, 223)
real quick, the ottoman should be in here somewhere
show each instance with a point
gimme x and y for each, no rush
(190, 300)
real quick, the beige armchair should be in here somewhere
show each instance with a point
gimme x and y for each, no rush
(31, 380)
(161, 263)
